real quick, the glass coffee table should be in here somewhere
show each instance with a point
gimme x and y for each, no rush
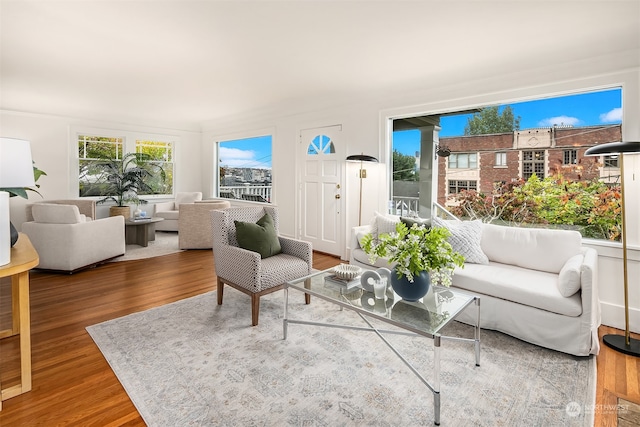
(426, 317)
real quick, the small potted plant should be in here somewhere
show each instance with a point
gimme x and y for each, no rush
(22, 192)
(420, 254)
(122, 179)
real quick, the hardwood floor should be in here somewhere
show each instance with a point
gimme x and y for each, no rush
(74, 385)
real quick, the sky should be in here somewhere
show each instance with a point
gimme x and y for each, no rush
(586, 109)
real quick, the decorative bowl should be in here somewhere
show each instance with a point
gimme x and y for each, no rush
(346, 271)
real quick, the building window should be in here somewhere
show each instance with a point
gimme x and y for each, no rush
(90, 149)
(501, 158)
(610, 161)
(244, 168)
(463, 161)
(455, 186)
(533, 163)
(570, 157)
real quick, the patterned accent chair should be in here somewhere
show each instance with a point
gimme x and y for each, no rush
(245, 270)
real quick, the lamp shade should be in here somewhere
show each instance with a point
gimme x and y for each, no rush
(613, 148)
(361, 158)
(16, 165)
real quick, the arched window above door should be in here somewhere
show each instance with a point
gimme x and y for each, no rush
(321, 144)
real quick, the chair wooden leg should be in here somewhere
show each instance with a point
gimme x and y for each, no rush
(220, 290)
(307, 297)
(255, 309)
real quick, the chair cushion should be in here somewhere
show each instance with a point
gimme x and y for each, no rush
(260, 237)
(50, 213)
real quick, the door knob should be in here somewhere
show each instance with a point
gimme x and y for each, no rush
(337, 196)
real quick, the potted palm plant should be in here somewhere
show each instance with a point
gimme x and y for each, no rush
(420, 254)
(122, 180)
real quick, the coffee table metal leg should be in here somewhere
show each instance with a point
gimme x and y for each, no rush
(286, 312)
(477, 332)
(436, 380)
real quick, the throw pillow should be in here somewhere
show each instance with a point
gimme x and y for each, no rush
(260, 237)
(382, 224)
(465, 238)
(569, 277)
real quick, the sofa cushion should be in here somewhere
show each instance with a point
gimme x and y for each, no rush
(569, 278)
(50, 213)
(528, 287)
(465, 238)
(260, 237)
(168, 215)
(535, 248)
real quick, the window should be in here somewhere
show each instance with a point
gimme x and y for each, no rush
(95, 146)
(610, 161)
(321, 144)
(570, 157)
(463, 161)
(543, 139)
(244, 168)
(533, 163)
(161, 153)
(455, 186)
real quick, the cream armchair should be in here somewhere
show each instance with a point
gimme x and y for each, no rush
(66, 241)
(194, 224)
(246, 270)
(170, 210)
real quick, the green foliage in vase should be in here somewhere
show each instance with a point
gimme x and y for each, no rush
(416, 249)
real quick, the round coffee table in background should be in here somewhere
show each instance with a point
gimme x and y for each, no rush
(140, 231)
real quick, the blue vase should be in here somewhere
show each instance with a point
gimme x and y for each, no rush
(407, 290)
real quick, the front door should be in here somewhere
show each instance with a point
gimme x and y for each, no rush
(320, 198)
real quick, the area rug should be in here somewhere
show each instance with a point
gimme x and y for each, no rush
(195, 363)
(166, 243)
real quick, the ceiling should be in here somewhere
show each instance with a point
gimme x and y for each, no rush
(186, 62)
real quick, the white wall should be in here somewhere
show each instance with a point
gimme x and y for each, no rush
(53, 149)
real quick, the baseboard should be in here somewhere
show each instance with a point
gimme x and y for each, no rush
(613, 315)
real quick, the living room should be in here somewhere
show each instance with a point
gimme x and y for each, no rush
(221, 73)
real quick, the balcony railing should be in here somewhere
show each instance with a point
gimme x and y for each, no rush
(256, 193)
(410, 206)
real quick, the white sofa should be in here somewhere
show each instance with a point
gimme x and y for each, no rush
(69, 241)
(170, 211)
(539, 285)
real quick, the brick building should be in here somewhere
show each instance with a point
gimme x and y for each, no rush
(479, 162)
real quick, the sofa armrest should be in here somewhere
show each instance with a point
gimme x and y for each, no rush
(297, 248)
(591, 316)
(354, 243)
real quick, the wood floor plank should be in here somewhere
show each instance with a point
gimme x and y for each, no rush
(74, 385)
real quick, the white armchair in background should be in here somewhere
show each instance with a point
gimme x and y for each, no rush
(66, 241)
(171, 210)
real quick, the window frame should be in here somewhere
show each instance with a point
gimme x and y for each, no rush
(129, 145)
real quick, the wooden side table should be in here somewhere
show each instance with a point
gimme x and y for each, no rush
(23, 258)
(141, 231)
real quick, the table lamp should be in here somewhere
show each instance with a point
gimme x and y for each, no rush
(624, 344)
(362, 174)
(16, 171)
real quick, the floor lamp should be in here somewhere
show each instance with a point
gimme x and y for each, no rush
(362, 174)
(624, 344)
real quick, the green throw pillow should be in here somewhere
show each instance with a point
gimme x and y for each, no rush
(260, 237)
